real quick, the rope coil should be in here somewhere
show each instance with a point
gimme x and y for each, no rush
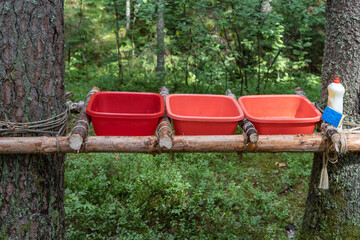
(76, 125)
(53, 125)
(159, 127)
(343, 149)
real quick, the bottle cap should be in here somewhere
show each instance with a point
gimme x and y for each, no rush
(336, 80)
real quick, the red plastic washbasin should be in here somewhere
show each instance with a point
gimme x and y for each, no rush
(125, 113)
(203, 114)
(280, 114)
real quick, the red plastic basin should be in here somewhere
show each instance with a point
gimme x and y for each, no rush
(201, 114)
(280, 114)
(125, 113)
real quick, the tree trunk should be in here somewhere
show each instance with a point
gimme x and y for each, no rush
(335, 213)
(31, 88)
(117, 18)
(160, 69)
(127, 12)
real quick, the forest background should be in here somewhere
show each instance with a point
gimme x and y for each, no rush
(248, 46)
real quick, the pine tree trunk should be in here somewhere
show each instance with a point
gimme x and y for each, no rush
(31, 88)
(335, 213)
(160, 69)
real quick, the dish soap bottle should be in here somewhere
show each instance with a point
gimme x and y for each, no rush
(336, 96)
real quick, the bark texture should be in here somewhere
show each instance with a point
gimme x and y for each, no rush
(31, 88)
(335, 213)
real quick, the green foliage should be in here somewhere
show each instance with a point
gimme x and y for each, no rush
(194, 196)
(250, 46)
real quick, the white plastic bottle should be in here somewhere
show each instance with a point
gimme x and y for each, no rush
(336, 96)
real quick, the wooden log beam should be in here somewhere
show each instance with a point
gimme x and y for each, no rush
(81, 126)
(149, 144)
(246, 126)
(164, 130)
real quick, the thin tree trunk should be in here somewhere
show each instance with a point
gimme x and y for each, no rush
(86, 69)
(69, 62)
(160, 69)
(117, 17)
(132, 37)
(127, 13)
(32, 88)
(335, 213)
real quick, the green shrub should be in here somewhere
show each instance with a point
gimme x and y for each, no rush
(195, 196)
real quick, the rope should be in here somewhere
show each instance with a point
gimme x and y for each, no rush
(246, 142)
(49, 125)
(164, 93)
(324, 177)
(247, 124)
(92, 92)
(80, 126)
(159, 127)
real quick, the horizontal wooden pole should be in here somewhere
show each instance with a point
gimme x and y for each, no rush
(149, 144)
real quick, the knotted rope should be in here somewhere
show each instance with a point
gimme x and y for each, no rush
(49, 125)
(339, 150)
(54, 125)
(163, 125)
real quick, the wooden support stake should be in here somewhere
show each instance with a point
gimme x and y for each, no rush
(249, 130)
(300, 92)
(164, 131)
(81, 126)
(247, 127)
(149, 144)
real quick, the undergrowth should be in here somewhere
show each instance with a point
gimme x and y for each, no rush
(192, 196)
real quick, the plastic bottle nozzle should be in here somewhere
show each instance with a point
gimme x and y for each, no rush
(336, 80)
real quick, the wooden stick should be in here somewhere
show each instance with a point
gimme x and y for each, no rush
(249, 130)
(164, 131)
(148, 144)
(300, 92)
(247, 127)
(68, 95)
(75, 107)
(81, 126)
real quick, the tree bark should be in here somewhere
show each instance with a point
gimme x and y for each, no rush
(160, 69)
(335, 213)
(31, 88)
